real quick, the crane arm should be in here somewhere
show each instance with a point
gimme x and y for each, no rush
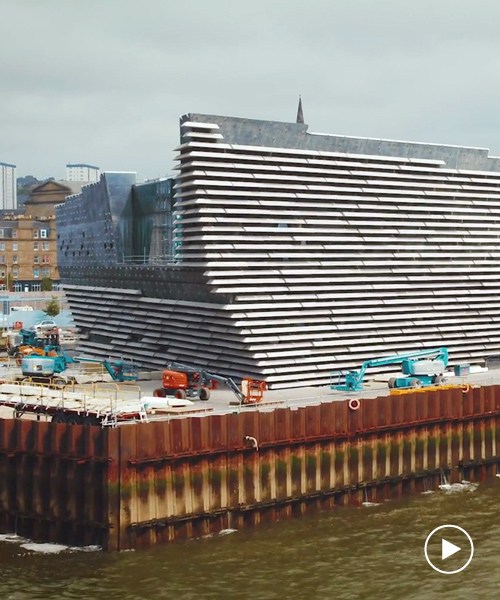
(205, 377)
(176, 366)
(227, 381)
(439, 353)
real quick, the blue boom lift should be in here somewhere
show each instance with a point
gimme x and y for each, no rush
(417, 371)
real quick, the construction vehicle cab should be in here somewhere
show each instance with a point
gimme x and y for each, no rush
(22, 340)
(29, 341)
(183, 381)
(183, 384)
(418, 370)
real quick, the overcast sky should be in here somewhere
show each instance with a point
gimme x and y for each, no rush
(105, 81)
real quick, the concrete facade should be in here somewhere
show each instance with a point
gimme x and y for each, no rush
(82, 172)
(27, 252)
(28, 242)
(8, 186)
(296, 254)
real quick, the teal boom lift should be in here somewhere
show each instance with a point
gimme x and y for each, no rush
(48, 366)
(417, 372)
(120, 370)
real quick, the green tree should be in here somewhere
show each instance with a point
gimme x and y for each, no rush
(46, 284)
(52, 308)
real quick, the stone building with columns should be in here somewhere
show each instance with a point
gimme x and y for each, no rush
(28, 238)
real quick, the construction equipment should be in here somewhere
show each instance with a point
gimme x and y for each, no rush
(253, 390)
(182, 381)
(465, 387)
(418, 371)
(46, 369)
(30, 341)
(120, 370)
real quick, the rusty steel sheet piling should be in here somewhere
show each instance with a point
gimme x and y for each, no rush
(53, 482)
(140, 485)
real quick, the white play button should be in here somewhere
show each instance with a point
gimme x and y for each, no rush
(448, 549)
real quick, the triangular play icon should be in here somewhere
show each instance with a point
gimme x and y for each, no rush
(447, 549)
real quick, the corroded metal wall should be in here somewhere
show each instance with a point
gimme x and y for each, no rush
(53, 482)
(189, 477)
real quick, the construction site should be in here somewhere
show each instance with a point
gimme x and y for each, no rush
(184, 453)
(295, 321)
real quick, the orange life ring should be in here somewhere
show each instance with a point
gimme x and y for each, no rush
(354, 404)
(465, 388)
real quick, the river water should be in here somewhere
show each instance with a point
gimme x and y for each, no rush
(370, 552)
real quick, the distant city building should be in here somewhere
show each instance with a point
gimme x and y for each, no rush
(8, 186)
(28, 239)
(81, 172)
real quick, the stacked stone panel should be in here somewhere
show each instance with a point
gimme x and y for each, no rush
(305, 260)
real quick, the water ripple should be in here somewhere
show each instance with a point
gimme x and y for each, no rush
(348, 553)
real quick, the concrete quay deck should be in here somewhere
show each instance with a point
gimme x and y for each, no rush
(223, 401)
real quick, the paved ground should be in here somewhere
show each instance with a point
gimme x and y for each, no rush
(224, 401)
(221, 399)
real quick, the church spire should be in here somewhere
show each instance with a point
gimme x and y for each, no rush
(300, 114)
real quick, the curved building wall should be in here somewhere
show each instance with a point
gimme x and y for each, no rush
(95, 227)
(152, 208)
